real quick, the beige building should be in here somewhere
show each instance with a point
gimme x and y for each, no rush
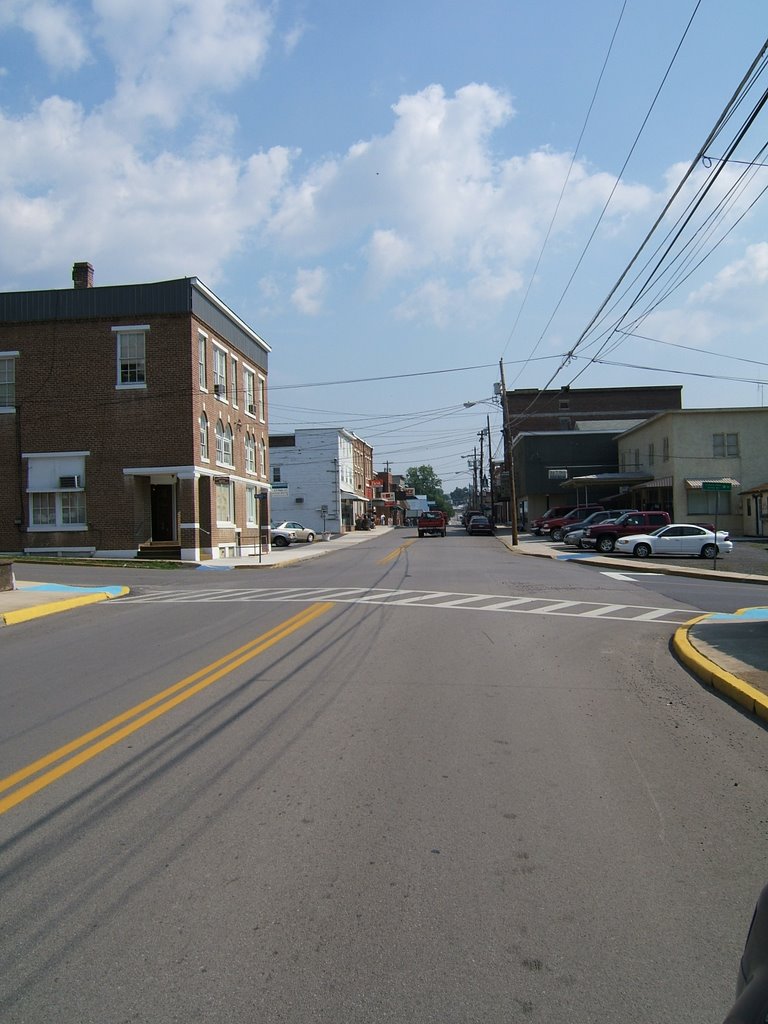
(687, 451)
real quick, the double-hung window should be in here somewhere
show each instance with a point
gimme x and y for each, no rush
(8, 380)
(56, 490)
(219, 372)
(131, 356)
(204, 437)
(248, 391)
(262, 399)
(233, 381)
(224, 445)
(250, 453)
(724, 445)
(262, 457)
(202, 360)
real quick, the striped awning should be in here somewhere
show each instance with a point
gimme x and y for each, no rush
(695, 485)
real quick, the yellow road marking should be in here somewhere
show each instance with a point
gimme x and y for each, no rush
(147, 711)
(396, 553)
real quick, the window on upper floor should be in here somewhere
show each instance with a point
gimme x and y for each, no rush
(224, 446)
(651, 454)
(202, 359)
(725, 445)
(131, 356)
(250, 453)
(262, 399)
(219, 372)
(248, 391)
(233, 381)
(262, 457)
(8, 380)
(665, 449)
(276, 475)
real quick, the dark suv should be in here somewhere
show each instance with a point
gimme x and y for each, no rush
(603, 536)
(573, 533)
(559, 525)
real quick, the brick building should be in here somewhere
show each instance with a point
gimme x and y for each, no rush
(567, 408)
(133, 418)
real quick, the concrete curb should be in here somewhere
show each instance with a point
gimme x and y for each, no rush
(739, 691)
(14, 617)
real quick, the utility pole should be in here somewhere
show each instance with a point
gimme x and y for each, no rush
(474, 478)
(508, 455)
(482, 450)
(490, 465)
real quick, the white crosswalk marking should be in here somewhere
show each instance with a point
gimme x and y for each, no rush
(414, 599)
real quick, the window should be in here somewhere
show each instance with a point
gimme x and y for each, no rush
(262, 457)
(202, 359)
(250, 506)
(651, 454)
(563, 405)
(262, 399)
(233, 381)
(665, 449)
(724, 445)
(250, 453)
(224, 446)
(204, 455)
(219, 373)
(637, 458)
(8, 379)
(276, 477)
(248, 380)
(57, 509)
(131, 356)
(709, 503)
(56, 493)
(224, 501)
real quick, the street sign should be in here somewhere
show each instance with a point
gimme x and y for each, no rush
(715, 485)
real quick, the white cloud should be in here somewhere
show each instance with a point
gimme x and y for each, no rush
(750, 270)
(307, 296)
(432, 198)
(55, 28)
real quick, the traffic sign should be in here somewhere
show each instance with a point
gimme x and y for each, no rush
(715, 485)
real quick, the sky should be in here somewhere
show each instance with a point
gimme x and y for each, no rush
(398, 196)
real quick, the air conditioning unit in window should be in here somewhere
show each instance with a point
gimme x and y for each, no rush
(218, 389)
(251, 409)
(69, 481)
(299, 501)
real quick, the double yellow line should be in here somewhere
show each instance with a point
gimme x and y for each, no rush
(64, 760)
(396, 553)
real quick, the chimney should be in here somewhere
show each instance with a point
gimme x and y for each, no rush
(82, 275)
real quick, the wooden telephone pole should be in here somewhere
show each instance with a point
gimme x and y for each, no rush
(508, 455)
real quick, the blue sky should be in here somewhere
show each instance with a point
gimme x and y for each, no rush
(387, 191)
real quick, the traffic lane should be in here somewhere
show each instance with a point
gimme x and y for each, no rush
(420, 822)
(82, 669)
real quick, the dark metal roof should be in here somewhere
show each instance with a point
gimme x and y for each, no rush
(138, 302)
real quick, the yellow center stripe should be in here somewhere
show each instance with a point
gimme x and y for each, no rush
(108, 734)
(396, 553)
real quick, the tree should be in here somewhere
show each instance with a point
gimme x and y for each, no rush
(424, 480)
(459, 496)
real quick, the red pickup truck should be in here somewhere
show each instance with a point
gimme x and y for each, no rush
(431, 524)
(603, 535)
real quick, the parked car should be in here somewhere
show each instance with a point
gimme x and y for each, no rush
(573, 534)
(677, 539)
(281, 536)
(604, 535)
(557, 525)
(541, 524)
(479, 524)
(302, 532)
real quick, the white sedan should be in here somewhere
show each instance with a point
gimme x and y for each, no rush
(679, 539)
(302, 532)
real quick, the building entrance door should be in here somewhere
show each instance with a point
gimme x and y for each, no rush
(162, 512)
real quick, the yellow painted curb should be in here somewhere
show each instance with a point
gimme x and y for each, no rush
(748, 697)
(53, 607)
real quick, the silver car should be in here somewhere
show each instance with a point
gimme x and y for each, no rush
(301, 532)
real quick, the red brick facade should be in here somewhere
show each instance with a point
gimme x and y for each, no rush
(101, 451)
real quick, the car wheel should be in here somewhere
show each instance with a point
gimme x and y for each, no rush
(709, 551)
(556, 534)
(280, 542)
(310, 538)
(605, 544)
(642, 551)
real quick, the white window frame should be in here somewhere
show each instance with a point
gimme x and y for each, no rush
(219, 486)
(202, 360)
(10, 358)
(262, 409)
(233, 380)
(250, 453)
(58, 500)
(224, 445)
(121, 360)
(205, 450)
(249, 394)
(219, 372)
(262, 457)
(251, 502)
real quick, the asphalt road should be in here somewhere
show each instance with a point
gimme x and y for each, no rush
(408, 782)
